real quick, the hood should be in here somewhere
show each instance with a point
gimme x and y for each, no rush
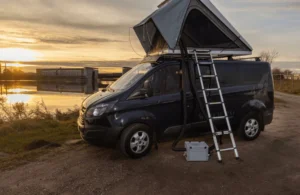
(99, 97)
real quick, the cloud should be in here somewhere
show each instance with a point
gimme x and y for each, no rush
(98, 29)
(105, 15)
(75, 40)
(261, 5)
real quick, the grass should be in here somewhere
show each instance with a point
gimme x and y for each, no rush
(288, 86)
(25, 133)
(17, 135)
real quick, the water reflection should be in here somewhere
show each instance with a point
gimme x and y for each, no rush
(17, 98)
(55, 95)
(67, 88)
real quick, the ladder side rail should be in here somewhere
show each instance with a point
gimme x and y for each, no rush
(225, 112)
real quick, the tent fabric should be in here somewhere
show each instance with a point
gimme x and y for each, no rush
(197, 22)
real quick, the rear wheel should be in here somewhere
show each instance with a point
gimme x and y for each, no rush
(251, 126)
(136, 141)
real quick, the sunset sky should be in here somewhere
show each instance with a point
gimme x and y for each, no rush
(91, 30)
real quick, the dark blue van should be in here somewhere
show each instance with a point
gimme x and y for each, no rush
(145, 103)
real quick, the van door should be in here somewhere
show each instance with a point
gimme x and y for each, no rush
(198, 116)
(145, 100)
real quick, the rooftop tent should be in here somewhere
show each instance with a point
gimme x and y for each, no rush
(197, 22)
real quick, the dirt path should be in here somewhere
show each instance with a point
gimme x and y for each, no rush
(291, 98)
(270, 165)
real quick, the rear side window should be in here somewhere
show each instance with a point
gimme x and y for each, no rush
(252, 73)
(234, 74)
(228, 74)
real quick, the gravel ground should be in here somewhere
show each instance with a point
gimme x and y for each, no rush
(269, 165)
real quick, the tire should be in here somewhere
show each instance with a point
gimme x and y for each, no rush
(136, 141)
(251, 126)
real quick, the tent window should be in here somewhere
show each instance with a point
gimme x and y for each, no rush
(200, 32)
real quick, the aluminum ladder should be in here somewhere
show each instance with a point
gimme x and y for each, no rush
(207, 60)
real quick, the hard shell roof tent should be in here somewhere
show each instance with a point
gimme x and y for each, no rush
(198, 23)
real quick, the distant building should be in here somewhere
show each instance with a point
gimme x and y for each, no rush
(76, 75)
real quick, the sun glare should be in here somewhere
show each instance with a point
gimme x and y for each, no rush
(18, 54)
(18, 98)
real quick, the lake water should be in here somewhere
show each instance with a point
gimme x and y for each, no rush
(54, 95)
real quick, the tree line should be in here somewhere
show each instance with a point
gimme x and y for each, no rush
(14, 73)
(270, 56)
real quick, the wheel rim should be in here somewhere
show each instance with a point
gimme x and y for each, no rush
(139, 142)
(251, 127)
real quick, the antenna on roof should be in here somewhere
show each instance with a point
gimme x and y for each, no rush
(163, 3)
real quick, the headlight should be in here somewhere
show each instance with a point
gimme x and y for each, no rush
(97, 110)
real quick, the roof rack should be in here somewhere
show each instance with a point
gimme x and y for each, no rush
(258, 59)
(216, 53)
(155, 58)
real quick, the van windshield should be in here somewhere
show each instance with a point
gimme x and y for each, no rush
(131, 77)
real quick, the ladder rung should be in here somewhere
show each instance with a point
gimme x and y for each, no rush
(209, 76)
(205, 63)
(219, 117)
(215, 103)
(212, 89)
(201, 50)
(201, 53)
(224, 133)
(226, 149)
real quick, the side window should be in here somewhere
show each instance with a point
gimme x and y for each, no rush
(171, 79)
(150, 87)
(228, 74)
(252, 73)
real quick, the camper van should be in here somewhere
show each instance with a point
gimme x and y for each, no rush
(146, 103)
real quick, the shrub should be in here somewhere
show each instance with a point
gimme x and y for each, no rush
(21, 111)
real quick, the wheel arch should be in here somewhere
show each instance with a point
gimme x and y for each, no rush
(255, 106)
(134, 123)
(127, 119)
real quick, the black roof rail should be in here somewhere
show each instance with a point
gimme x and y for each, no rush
(250, 58)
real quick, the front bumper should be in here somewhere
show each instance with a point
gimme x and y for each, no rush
(98, 133)
(268, 117)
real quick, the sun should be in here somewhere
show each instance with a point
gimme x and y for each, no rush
(18, 54)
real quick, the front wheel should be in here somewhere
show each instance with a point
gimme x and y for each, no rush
(251, 126)
(136, 141)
